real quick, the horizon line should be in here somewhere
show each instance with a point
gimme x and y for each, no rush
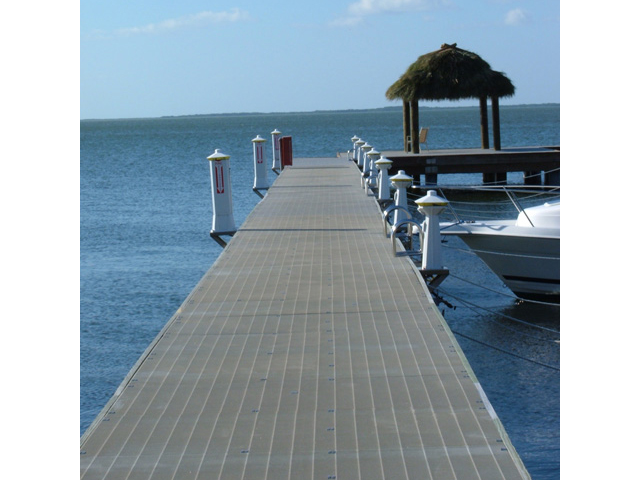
(229, 114)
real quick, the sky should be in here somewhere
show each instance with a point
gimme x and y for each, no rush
(151, 58)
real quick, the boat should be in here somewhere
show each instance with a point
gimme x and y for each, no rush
(523, 252)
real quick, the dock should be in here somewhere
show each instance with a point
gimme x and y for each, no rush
(493, 164)
(307, 351)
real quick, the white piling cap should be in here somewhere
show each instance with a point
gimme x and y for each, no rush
(431, 200)
(276, 132)
(217, 156)
(354, 139)
(360, 142)
(401, 179)
(383, 161)
(258, 139)
(366, 146)
(373, 152)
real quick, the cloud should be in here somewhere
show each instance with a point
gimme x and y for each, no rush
(369, 7)
(516, 17)
(189, 21)
(362, 8)
(346, 21)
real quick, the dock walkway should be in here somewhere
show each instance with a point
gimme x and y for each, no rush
(307, 351)
(529, 160)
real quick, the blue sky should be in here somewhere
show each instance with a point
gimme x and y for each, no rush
(150, 58)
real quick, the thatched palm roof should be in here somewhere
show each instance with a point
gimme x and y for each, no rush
(450, 73)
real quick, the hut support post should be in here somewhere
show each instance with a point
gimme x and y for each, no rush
(415, 126)
(406, 115)
(484, 122)
(495, 111)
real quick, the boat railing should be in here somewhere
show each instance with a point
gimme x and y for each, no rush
(515, 196)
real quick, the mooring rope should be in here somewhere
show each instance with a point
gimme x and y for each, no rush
(514, 319)
(518, 255)
(506, 294)
(487, 210)
(546, 365)
(510, 295)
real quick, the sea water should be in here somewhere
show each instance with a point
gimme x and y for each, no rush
(145, 220)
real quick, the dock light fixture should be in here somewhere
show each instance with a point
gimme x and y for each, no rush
(275, 145)
(401, 181)
(369, 173)
(223, 222)
(431, 206)
(363, 155)
(260, 181)
(357, 152)
(384, 164)
(354, 139)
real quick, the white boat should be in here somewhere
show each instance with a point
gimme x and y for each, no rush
(524, 253)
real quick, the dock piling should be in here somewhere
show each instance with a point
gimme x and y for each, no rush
(494, 178)
(384, 164)
(372, 180)
(401, 181)
(260, 181)
(275, 145)
(223, 222)
(358, 151)
(432, 270)
(431, 205)
(354, 139)
(364, 149)
(552, 177)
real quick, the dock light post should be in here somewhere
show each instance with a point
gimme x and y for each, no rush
(370, 169)
(357, 151)
(366, 148)
(431, 206)
(384, 164)
(354, 139)
(363, 156)
(223, 223)
(401, 181)
(260, 181)
(275, 144)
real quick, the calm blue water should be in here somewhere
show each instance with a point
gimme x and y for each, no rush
(145, 222)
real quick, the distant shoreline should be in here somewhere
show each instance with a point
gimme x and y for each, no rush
(395, 108)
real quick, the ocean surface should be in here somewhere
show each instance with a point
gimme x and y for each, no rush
(145, 217)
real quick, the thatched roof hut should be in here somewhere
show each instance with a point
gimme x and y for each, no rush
(450, 73)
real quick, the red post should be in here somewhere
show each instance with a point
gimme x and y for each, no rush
(286, 152)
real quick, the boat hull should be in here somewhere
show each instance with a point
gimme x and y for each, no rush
(529, 266)
(527, 260)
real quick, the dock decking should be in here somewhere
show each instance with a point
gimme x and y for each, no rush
(307, 351)
(478, 160)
